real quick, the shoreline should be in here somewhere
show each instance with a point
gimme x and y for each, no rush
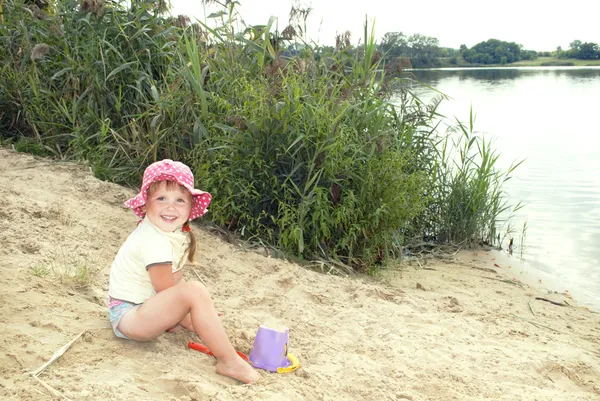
(510, 67)
(529, 275)
(456, 329)
(540, 62)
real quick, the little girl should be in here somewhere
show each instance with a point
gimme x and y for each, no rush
(147, 295)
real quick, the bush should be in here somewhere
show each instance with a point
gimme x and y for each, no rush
(306, 152)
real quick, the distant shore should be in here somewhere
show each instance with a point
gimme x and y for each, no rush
(553, 62)
(539, 62)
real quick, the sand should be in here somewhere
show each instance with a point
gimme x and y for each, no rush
(457, 329)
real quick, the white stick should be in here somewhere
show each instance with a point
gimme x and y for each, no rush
(52, 390)
(199, 278)
(56, 355)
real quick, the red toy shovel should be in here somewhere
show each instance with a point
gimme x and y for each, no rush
(204, 349)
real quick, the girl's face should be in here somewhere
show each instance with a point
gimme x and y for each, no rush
(168, 205)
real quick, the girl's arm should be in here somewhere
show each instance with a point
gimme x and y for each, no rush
(161, 277)
(178, 276)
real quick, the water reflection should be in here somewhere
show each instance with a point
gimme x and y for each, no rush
(497, 75)
(546, 116)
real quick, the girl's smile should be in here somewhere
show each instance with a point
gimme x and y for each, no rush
(168, 205)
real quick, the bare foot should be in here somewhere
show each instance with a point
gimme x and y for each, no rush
(238, 369)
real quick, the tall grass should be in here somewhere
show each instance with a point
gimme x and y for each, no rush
(304, 152)
(105, 90)
(469, 196)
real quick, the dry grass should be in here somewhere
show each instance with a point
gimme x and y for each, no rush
(71, 268)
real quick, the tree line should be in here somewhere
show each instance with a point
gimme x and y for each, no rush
(421, 51)
(580, 50)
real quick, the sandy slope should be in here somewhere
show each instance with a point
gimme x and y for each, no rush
(449, 331)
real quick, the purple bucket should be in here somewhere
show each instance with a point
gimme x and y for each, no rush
(270, 349)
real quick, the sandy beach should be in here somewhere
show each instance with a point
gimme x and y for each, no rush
(456, 329)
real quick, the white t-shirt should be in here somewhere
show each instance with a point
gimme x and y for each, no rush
(145, 247)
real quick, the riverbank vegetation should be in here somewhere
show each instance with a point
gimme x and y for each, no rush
(310, 153)
(548, 61)
(420, 51)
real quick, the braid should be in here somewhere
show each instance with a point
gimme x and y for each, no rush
(191, 249)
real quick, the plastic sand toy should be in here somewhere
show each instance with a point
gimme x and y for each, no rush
(269, 352)
(204, 349)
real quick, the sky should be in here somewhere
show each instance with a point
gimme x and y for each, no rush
(535, 24)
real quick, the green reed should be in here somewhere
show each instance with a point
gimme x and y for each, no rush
(304, 152)
(467, 188)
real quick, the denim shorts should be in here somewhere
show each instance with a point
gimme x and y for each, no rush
(116, 310)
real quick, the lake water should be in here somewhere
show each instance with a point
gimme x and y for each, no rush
(547, 116)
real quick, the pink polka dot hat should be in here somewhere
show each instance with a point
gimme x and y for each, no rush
(169, 170)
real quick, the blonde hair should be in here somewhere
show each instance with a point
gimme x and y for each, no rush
(191, 249)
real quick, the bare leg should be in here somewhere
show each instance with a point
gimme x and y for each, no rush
(186, 323)
(169, 307)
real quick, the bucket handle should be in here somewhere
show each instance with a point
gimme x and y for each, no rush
(295, 364)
